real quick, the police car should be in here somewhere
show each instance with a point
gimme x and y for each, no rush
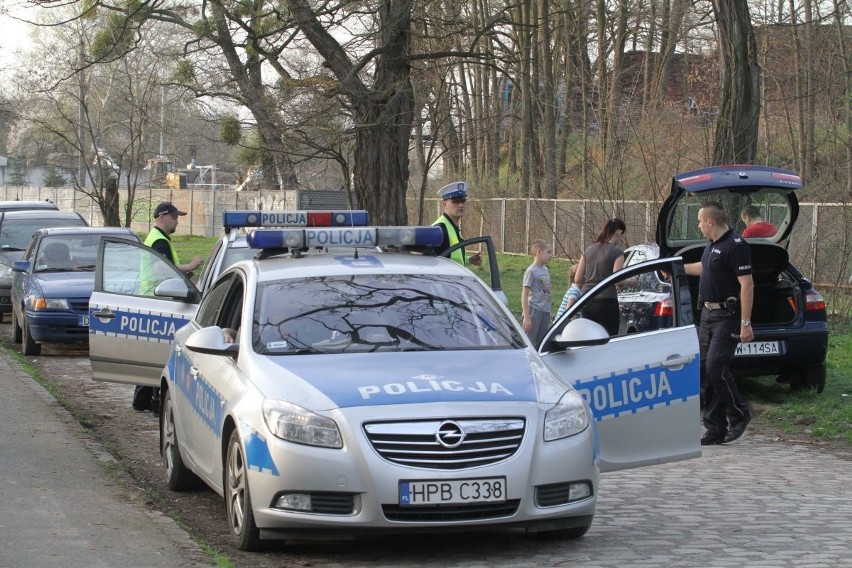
(374, 386)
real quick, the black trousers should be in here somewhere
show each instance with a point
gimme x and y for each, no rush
(720, 397)
(605, 312)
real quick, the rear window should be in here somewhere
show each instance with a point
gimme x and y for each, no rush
(15, 234)
(367, 313)
(764, 209)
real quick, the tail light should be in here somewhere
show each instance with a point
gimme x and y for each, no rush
(814, 302)
(665, 308)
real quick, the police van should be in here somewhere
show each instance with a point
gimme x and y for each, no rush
(350, 380)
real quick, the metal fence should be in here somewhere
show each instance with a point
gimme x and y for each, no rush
(820, 245)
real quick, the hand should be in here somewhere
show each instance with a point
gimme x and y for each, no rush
(527, 323)
(746, 333)
(475, 259)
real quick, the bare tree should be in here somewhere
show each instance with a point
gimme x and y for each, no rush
(739, 108)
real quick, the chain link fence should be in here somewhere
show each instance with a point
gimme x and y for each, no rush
(820, 246)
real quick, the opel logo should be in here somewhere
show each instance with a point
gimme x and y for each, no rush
(449, 434)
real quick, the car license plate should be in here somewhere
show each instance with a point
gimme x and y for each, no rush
(452, 492)
(84, 321)
(757, 348)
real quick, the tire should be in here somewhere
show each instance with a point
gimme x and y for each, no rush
(244, 531)
(17, 334)
(811, 378)
(178, 476)
(29, 347)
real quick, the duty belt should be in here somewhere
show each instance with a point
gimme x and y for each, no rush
(728, 304)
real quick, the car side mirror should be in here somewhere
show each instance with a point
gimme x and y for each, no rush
(21, 266)
(211, 341)
(581, 332)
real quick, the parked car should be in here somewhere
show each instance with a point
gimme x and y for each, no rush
(26, 205)
(52, 285)
(376, 387)
(788, 316)
(16, 231)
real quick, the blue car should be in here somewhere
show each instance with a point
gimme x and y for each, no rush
(52, 284)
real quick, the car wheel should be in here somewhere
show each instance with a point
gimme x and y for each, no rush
(30, 347)
(178, 476)
(16, 329)
(244, 531)
(810, 378)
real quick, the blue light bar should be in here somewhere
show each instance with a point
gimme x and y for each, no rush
(345, 237)
(245, 218)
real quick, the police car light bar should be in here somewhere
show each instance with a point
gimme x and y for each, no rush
(242, 218)
(430, 237)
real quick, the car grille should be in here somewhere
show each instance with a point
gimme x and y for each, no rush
(79, 306)
(445, 513)
(332, 503)
(447, 444)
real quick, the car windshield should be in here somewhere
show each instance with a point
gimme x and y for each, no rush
(235, 254)
(16, 233)
(368, 313)
(67, 252)
(752, 214)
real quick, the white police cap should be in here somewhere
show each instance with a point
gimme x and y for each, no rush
(453, 190)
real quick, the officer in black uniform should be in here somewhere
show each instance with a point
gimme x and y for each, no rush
(726, 293)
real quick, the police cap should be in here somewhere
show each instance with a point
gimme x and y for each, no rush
(453, 190)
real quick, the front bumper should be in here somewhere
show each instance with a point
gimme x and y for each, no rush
(56, 327)
(365, 487)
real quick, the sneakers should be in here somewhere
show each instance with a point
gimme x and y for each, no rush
(711, 438)
(737, 428)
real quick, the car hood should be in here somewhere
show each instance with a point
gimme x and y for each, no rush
(368, 379)
(773, 189)
(65, 284)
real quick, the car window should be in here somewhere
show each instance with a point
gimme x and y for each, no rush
(17, 233)
(772, 206)
(134, 270)
(208, 310)
(379, 313)
(67, 252)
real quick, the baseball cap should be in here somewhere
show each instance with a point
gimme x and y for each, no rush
(453, 190)
(167, 208)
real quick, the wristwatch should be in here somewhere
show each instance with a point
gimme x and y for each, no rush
(745, 323)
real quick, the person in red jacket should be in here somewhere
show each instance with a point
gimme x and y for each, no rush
(755, 226)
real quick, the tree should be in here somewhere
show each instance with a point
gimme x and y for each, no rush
(739, 108)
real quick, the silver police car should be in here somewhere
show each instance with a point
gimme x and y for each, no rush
(349, 380)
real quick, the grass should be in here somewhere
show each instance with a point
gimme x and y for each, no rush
(826, 416)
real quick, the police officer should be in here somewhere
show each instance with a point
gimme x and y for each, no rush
(453, 202)
(165, 224)
(726, 292)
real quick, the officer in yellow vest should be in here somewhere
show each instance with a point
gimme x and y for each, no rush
(165, 223)
(453, 202)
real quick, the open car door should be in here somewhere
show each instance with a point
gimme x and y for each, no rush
(140, 299)
(489, 263)
(642, 387)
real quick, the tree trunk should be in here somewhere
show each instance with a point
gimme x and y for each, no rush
(739, 109)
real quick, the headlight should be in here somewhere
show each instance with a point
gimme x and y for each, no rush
(5, 271)
(296, 424)
(567, 418)
(39, 303)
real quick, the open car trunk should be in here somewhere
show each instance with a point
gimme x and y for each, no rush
(778, 300)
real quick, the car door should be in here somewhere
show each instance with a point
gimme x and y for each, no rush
(642, 388)
(140, 299)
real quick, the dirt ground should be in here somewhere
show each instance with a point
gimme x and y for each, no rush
(132, 438)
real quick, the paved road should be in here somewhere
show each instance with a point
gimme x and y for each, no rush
(758, 502)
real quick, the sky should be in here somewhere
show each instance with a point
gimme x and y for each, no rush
(14, 34)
